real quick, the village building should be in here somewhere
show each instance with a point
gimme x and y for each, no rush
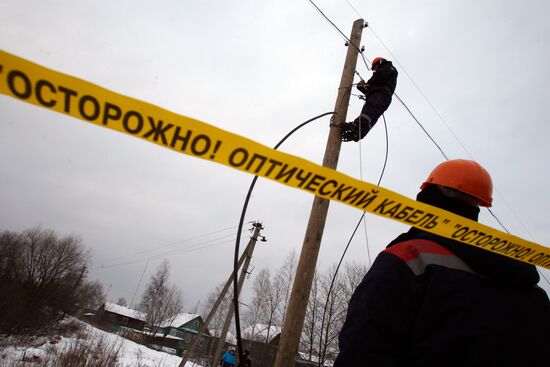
(263, 343)
(113, 317)
(180, 333)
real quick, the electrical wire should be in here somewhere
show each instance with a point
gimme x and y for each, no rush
(450, 130)
(416, 86)
(239, 231)
(331, 22)
(400, 100)
(353, 7)
(421, 126)
(421, 92)
(540, 272)
(341, 33)
(351, 238)
(542, 275)
(408, 110)
(105, 263)
(167, 245)
(179, 251)
(138, 285)
(498, 220)
(440, 116)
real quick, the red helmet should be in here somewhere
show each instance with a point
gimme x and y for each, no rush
(376, 61)
(465, 176)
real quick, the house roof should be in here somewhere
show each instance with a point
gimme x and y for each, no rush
(229, 337)
(260, 331)
(181, 319)
(124, 311)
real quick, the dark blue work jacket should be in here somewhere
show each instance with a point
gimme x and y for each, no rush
(430, 301)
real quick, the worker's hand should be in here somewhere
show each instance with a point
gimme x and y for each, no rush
(362, 86)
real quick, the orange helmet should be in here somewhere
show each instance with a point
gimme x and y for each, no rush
(465, 176)
(376, 61)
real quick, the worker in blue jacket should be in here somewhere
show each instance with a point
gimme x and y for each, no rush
(228, 359)
(432, 301)
(378, 91)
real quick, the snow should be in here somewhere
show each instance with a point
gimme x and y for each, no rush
(167, 336)
(181, 319)
(229, 337)
(259, 331)
(131, 353)
(124, 311)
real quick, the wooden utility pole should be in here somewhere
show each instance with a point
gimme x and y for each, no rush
(204, 325)
(229, 317)
(294, 320)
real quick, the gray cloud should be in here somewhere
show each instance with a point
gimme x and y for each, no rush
(258, 70)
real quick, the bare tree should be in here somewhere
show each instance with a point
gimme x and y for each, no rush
(258, 304)
(332, 296)
(217, 321)
(285, 279)
(309, 341)
(351, 277)
(253, 316)
(161, 301)
(122, 302)
(90, 295)
(273, 293)
(41, 272)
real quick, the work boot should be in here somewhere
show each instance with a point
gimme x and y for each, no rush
(357, 129)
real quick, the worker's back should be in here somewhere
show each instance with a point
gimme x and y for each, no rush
(438, 309)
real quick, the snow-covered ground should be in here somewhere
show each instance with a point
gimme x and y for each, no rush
(130, 353)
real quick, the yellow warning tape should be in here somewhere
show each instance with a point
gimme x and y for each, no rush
(50, 89)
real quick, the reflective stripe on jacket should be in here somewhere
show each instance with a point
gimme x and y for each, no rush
(419, 254)
(421, 305)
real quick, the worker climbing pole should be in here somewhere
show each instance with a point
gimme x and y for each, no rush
(378, 91)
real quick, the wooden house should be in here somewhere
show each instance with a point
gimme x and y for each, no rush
(114, 317)
(180, 333)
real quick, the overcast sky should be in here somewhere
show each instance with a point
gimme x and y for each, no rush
(258, 69)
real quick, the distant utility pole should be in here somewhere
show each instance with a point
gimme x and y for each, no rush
(229, 317)
(75, 287)
(228, 283)
(294, 320)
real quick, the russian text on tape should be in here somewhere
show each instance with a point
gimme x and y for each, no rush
(32, 83)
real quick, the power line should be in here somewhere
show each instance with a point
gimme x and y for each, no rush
(447, 125)
(169, 244)
(417, 87)
(341, 33)
(498, 220)
(421, 126)
(239, 230)
(186, 249)
(542, 275)
(353, 7)
(138, 284)
(421, 93)
(331, 22)
(400, 100)
(361, 219)
(172, 251)
(514, 214)
(450, 130)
